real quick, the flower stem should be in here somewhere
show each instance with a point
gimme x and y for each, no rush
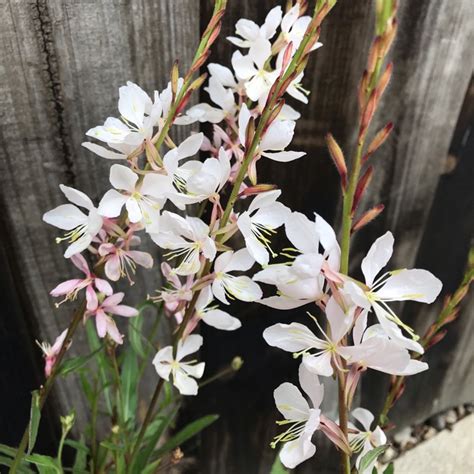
(46, 388)
(345, 462)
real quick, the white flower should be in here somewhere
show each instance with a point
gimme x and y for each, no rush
(263, 217)
(277, 137)
(253, 69)
(139, 115)
(302, 417)
(399, 285)
(365, 440)
(81, 228)
(250, 32)
(143, 200)
(297, 338)
(227, 285)
(213, 316)
(302, 281)
(187, 238)
(183, 372)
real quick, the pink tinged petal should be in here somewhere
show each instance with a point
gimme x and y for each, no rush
(103, 152)
(122, 177)
(290, 403)
(112, 268)
(185, 384)
(221, 320)
(377, 257)
(91, 298)
(66, 287)
(66, 217)
(103, 286)
(364, 417)
(111, 204)
(80, 262)
(123, 310)
(58, 343)
(319, 364)
(297, 451)
(101, 322)
(113, 331)
(292, 337)
(415, 285)
(141, 258)
(113, 300)
(190, 345)
(284, 156)
(339, 321)
(309, 382)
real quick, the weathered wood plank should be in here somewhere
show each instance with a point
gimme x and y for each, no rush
(61, 65)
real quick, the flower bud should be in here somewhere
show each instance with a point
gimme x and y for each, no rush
(338, 158)
(378, 141)
(362, 185)
(367, 217)
(237, 363)
(257, 189)
(174, 78)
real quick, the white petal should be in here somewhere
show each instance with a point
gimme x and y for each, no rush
(111, 204)
(301, 232)
(290, 403)
(190, 146)
(260, 51)
(294, 337)
(65, 216)
(339, 321)
(244, 117)
(377, 257)
(218, 291)
(243, 288)
(194, 370)
(163, 355)
(319, 364)
(191, 344)
(272, 21)
(222, 74)
(122, 177)
(256, 87)
(248, 29)
(278, 136)
(103, 152)
(309, 382)
(284, 156)
(185, 384)
(133, 102)
(243, 66)
(240, 260)
(295, 452)
(78, 246)
(221, 320)
(416, 285)
(283, 302)
(77, 197)
(364, 417)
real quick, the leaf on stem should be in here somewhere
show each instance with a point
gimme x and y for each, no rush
(35, 416)
(371, 457)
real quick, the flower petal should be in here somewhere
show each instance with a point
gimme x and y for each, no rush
(122, 177)
(377, 257)
(294, 337)
(290, 403)
(111, 204)
(191, 344)
(65, 216)
(221, 320)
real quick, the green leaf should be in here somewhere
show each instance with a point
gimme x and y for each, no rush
(45, 464)
(135, 329)
(118, 448)
(35, 416)
(75, 363)
(82, 451)
(390, 469)
(153, 434)
(186, 433)
(151, 468)
(371, 457)
(7, 450)
(129, 385)
(277, 467)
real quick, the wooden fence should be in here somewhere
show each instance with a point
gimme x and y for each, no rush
(62, 62)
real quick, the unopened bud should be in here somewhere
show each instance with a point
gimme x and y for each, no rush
(274, 113)
(384, 80)
(257, 189)
(237, 363)
(378, 140)
(436, 338)
(287, 57)
(367, 115)
(367, 217)
(176, 455)
(214, 35)
(364, 83)
(374, 55)
(174, 78)
(200, 61)
(388, 37)
(451, 317)
(249, 133)
(152, 154)
(338, 159)
(67, 422)
(362, 185)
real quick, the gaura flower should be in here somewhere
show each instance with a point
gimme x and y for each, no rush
(51, 352)
(103, 320)
(142, 199)
(319, 355)
(186, 238)
(183, 373)
(230, 286)
(71, 288)
(364, 441)
(139, 115)
(81, 228)
(250, 32)
(259, 222)
(399, 285)
(303, 419)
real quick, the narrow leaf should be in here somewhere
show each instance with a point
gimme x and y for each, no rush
(135, 330)
(371, 457)
(390, 469)
(75, 363)
(35, 416)
(129, 385)
(186, 433)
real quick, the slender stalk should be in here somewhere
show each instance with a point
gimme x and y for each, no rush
(345, 462)
(46, 388)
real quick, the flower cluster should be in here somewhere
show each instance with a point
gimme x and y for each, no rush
(154, 191)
